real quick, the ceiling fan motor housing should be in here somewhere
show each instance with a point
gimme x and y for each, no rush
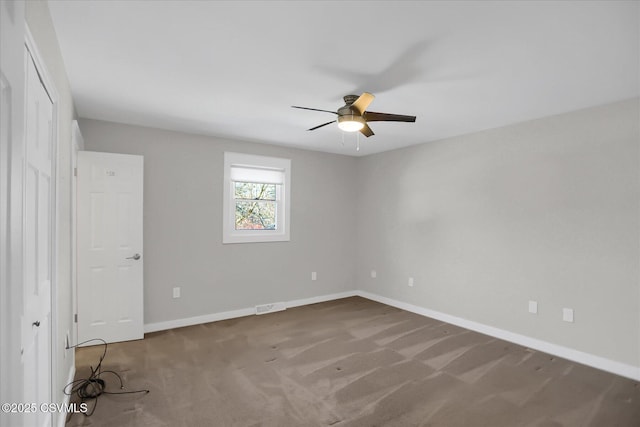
(350, 99)
(346, 110)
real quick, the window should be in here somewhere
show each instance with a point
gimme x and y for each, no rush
(256, 206)
(256, 198)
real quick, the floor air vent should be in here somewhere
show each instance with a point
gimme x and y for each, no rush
(270, 308)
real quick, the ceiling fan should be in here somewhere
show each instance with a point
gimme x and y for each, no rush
(353, 117)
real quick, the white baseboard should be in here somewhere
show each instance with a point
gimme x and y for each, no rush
(322, 298)
(197, 320)
(62, 416)
(618, 368)
(249, 311)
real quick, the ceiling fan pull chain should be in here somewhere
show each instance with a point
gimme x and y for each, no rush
(358, 141)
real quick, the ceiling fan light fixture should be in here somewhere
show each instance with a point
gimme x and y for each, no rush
(351, 123)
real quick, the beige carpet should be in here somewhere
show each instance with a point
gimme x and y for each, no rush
(350, 362)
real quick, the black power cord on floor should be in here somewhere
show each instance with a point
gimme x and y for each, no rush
(94, 386)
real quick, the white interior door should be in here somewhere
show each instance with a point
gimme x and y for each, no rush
(38, 237)
(110, 262)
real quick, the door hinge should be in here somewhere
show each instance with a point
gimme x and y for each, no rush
(75, 318)
(75, 171)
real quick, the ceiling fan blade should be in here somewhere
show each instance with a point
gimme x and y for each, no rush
(314, 109)
(371, 116)
(366, 131)
(324, 124)
(360, 105)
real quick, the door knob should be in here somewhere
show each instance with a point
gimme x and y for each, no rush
(36, 323)
(135, 257)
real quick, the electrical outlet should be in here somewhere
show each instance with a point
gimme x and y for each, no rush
(533, 307)
(410, 281)
(374, 274)
(176, 292)
(314, 275)
(567, 315)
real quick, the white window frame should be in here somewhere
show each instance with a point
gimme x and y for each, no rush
(258, 164)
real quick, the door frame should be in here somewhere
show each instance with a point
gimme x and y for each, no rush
(47, 83)
(11, 280)
(77, 144)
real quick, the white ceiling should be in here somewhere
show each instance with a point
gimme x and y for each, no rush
(233, 69)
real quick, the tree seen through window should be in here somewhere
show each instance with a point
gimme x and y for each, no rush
(256, 206)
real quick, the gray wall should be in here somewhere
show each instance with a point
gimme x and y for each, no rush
(183, 224)
(546, 210)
